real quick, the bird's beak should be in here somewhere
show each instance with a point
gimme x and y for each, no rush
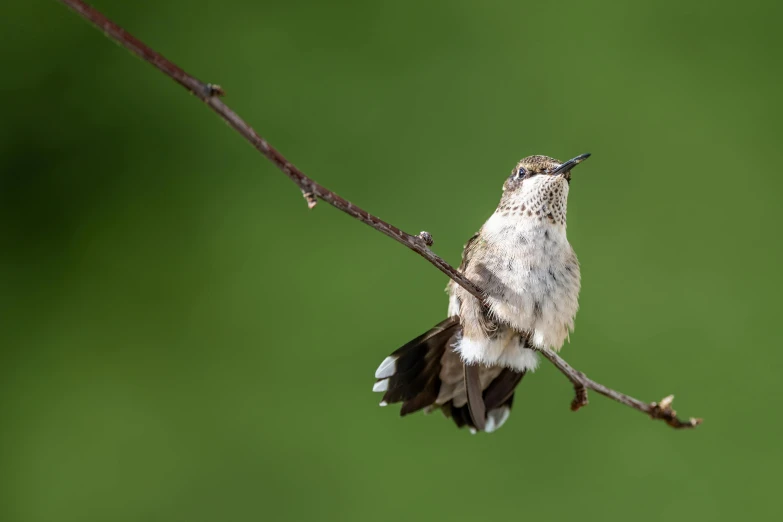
(565, 168)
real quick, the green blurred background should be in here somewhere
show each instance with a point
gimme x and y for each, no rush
(182, 340)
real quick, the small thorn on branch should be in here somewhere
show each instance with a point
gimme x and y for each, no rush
(312, 201)
(580, 399)
(666, 402)
(426, 238)
(214, 89)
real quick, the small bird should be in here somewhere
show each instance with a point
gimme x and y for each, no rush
(470, 364)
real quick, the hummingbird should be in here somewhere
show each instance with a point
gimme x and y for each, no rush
(470, 364)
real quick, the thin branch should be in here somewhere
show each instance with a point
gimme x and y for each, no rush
(210, 94)
(656, 410)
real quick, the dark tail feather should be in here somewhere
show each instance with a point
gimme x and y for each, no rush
(472, 379)
(411, 375)
(498, 399)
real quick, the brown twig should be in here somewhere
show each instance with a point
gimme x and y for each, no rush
(211, 93)
(656, 410)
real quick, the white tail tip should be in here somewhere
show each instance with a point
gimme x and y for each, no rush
(387, 368)
(496, 418)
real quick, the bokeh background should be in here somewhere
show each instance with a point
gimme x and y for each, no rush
(182, 340)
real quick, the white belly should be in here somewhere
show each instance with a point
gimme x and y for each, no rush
(504, 350)
(539, 290)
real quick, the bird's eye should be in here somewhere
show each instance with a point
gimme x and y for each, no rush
(521, 173)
